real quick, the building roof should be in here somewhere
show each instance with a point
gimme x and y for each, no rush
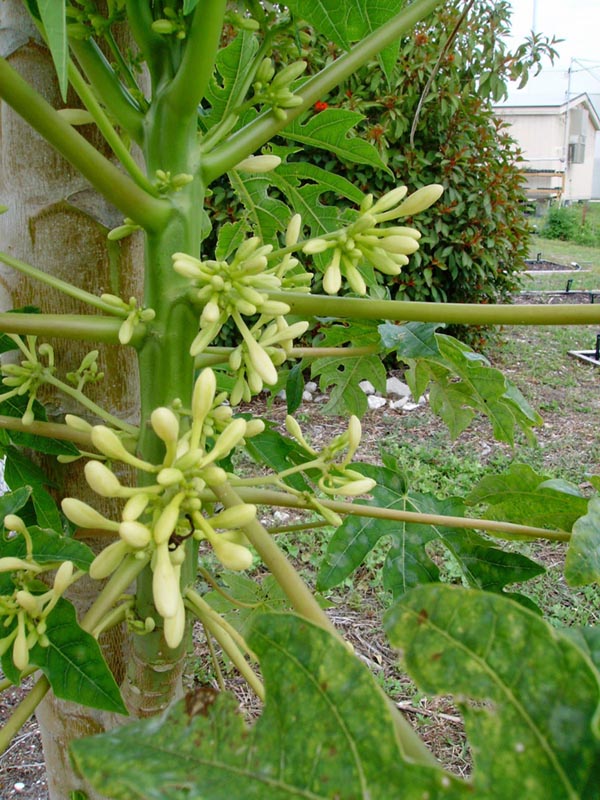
(545, 104)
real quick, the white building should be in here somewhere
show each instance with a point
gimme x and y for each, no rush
(557, 140)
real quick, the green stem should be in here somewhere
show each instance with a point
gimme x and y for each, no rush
(152, 46)
(191, 81)
(50, 430)
(105, 127)
(108, 87)
(201, 608)
(495, 527)
(147, 211)
(62, 286)
(298, 593)
(124, 69)
(256, 133)
(112, 618)
(94, 408)
(82, 327)
(118, 584)
(22, 712)
(448, 313)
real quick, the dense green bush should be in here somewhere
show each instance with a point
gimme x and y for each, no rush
(568, 223)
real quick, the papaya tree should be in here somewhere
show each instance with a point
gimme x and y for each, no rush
(123, 415)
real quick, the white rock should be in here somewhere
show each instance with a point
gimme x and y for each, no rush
(376, 402)
(321, 398)
(410, 406)
(281, 395)
(19, 786)
(396, 405)
(422, 400)
(396, 386)
(367, 387)
(307, 396)
(311, 386)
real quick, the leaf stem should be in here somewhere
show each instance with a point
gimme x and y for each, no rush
(449, 313)
(50, 430)
(149, 212)
(62, 286)
(82, 327)
(117, 585)
(111, 136)
(94, 408)
(494, 527)
(22, 712)
(206, 615)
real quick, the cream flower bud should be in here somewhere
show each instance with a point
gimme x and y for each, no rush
(85, 516)
(20, 652)
(165, 585)
(167, 521)
(12, 563)
(258, 164)
(14, 523)
(295, 431)
(109, 443)
(357, 487)
(169, 476)
(231, 436)
(28, 602)
(420, 200)
(63, 576)
(204, 394)
(261, 362)
(165, 424)
(293, 230)
(317, 246)
(108, 560)
(77, 423)
(233, 556)
(135, 534)
(389, 200)
(174, 627)
(234, 516)
(101, 479)
(135, 507)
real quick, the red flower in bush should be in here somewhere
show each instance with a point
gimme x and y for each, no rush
(321, 106)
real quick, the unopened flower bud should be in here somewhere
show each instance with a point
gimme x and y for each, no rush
(108, 560)
(85, 516)
(232, 556)
(135, 534)
(258, 164)
(102, 480)
(63, 576)
(234, 516)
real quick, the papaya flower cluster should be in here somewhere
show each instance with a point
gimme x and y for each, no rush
(274, 90)
(26, 606)
(366, 241)
(239, 289)
(337, 477)
(135, 315)
(159, 516)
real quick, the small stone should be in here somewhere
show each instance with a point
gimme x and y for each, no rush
(422, 400)
(311, 386)
(396, 405)
(367, 387)
(410, 406)
(307, 396)
(376, 402)
(18, 787)
(396, 386)
(321, 398)
(281, 395)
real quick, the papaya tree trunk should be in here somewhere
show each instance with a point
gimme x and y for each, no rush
(56, 222)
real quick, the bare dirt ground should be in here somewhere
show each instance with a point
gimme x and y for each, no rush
(566, 392)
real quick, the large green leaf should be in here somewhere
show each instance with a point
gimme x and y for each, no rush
(523, 496)
(232, 65)
(279, 453)
(328, 130)
(15, 407)
(325, 732)
(73, 663)
(461, 381)
(481, 564)
(253, 599)
(582, 564)
(349, 21)
(528, 695)
(340, 375)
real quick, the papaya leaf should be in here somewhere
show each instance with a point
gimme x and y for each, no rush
(15, 407)
(231, 235)
(582, 564)
(294, 388)
(74, 664)
(348, 748)
(528, 695)
(349, 22)
(341, 374)
(257, 597)
(481, 564)
(462, 382)
(328, 130)
(523, 496)
(52, 15)
(49, 547)
(20, 471)
(232, 65)
(587, 639)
